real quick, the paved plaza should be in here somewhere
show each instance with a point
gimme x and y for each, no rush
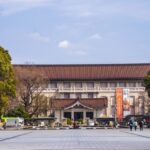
(78, 139)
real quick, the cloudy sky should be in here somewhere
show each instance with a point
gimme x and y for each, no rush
(76, 31)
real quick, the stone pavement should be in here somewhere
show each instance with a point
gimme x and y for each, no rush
(94, 139)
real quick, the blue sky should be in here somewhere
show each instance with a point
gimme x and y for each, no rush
(76, 31)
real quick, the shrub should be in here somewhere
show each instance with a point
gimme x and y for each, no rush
(18, 111)
(80, 121)
(69, 121)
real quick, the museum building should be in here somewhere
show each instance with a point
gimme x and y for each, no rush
(85, 91)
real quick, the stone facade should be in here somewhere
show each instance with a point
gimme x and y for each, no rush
(79, 83)
(98, 89)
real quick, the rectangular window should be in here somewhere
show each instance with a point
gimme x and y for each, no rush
(113, 111)
(61, 96)
(132, 110)
(66, 84)
(67, 115)
(78, 85)
(132, 100)
(78, 95)
(103, 84)
(131, 84)
(139, 84)
(112, 99)
(53, 85)
(113, 84)
(90, 95)
(66, 95)
(90, 85)
(122, 84)
(89, 115)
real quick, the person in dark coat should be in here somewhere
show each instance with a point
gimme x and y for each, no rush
(135, 125)
(131, 125)
(141, 125)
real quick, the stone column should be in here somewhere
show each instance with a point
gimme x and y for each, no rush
(95, 114)
(60, 116)
(84, 114)
(72, 114)
(136, 105)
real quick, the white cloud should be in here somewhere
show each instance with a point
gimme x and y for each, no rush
(73, 49)
(64, 44)
(95, 36)
(38, 37)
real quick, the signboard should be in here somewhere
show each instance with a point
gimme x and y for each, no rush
(126, 102)
(119, 104)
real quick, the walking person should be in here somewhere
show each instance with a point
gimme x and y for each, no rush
(131, 125)
(4, 125)
(135, 125)
(141, 125)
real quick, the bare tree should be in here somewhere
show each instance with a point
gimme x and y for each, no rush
(30, 86)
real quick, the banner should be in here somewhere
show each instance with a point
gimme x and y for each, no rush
(119, 104)
(126, 102)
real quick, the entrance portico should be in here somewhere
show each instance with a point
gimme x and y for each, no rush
(78, 111)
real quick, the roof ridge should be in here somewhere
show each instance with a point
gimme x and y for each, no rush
(68, 65)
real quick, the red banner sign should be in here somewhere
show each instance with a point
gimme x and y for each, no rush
(119, 104)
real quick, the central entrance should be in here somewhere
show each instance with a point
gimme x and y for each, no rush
(78, 115)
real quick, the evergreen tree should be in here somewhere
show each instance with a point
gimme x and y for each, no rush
(7, 79)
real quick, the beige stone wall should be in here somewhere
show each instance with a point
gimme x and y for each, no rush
(139, 106)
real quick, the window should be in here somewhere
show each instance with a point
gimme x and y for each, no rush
(141, 105)
(90, 85)
(90, 95)
(53, 85)
(78, 95)
(66, 84)
(132, 110)
(113, 111)
(89, 115)
(103, 84)
(122, 84)
(67, 115)
(112, 84)
(112, 99)
(139, 84)
(131, 84)
(78, 85)
(132, 100)
(61, 96)
(66, 95)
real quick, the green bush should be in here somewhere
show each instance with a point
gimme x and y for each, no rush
(18, 111)
(80, 121)
(69, 121)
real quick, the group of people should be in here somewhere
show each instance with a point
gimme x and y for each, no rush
(134, 124)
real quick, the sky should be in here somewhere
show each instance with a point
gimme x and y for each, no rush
(76, 31)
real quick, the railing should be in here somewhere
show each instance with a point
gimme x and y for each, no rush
(94, 89)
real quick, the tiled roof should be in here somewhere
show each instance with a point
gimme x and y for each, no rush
(92, 103)
(97, 71)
